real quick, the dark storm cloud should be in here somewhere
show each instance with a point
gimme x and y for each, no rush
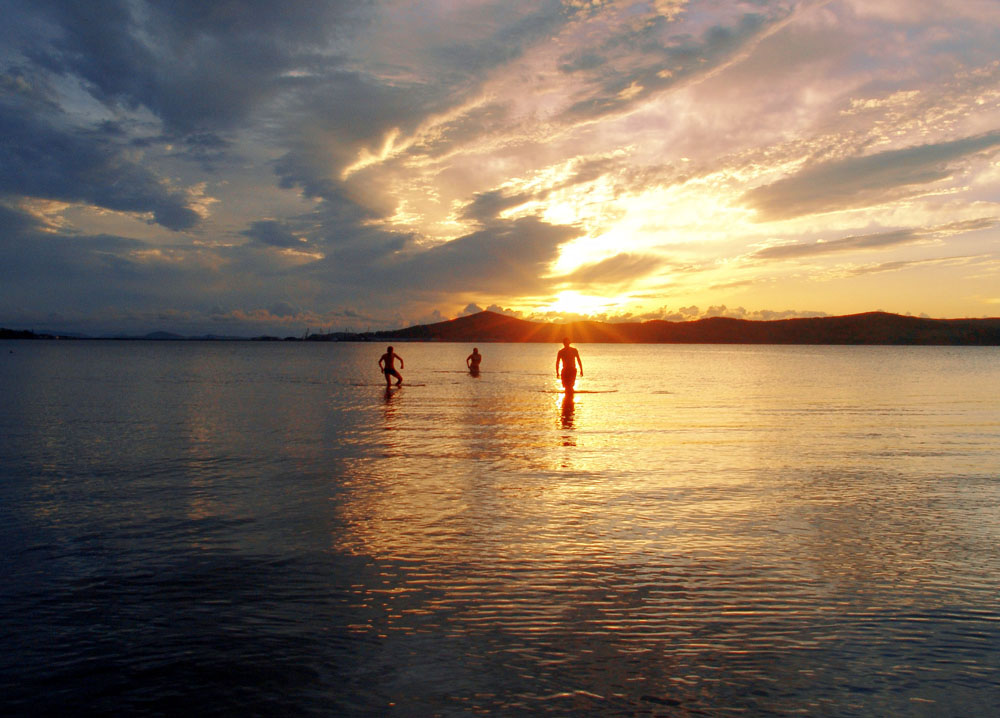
(208, 149)
(40, 268)
(40, 158)
(864, 181)
(272, 233)
(194, 64)
(201, 68)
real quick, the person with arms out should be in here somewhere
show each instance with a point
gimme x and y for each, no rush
(388, 366)
(569, 357)
(473, 360)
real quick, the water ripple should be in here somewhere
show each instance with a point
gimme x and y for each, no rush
(263, 530)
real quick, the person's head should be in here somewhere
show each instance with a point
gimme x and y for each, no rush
(388, 350)
(566, 341)
(475, 350)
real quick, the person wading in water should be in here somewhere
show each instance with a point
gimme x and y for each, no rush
(473, 360)
(387, 365)
(569, 357)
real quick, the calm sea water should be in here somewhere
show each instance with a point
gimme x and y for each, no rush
(260, 529)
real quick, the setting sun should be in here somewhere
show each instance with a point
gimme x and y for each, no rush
(570, 302)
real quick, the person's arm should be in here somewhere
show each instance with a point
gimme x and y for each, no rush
(401, 364)
(580, 362)
(381, 362)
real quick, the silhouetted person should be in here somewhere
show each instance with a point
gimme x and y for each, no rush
(388, 366)
(569, 357)
(472, 361)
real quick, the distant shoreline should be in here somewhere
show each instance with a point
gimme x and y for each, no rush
(872, 328)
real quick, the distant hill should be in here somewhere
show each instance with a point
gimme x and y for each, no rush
(22, 334)
(868, 328)
(484, 327)
(159, 336)
(151, 336)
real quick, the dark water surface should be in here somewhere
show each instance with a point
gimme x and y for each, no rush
(260, 529)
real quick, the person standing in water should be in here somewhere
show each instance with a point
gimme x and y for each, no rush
(387, 365)
(472, 361)
(569, 357)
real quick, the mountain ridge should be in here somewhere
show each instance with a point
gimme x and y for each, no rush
(864, 328)
(487, 327)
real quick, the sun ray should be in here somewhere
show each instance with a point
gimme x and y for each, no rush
(579, 304)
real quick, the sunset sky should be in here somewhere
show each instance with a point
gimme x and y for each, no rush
(265, 168)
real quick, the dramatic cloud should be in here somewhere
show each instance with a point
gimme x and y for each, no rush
(902, 265)
(273, 233)
(505, 259)
(488, 205)
(871, 241)
(614, 270)
(865, 181)
(648, 57)
(41, 159)
(195, 65)
(881, 240)
(258, 167)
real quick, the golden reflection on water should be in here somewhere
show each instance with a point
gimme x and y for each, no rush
(542, 474)
(732, 485)
(568, 406)
(777, 520)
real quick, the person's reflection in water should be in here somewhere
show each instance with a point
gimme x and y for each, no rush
(389, 409)
(568, 409)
